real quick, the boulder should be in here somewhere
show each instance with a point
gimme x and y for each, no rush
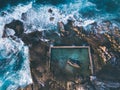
(17, 26)
(32, 38)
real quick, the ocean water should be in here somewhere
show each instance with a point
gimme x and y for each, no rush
(37, 17)
(14, 64)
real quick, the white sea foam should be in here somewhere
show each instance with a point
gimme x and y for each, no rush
(14, 61)
(38, 17)
(14, 14)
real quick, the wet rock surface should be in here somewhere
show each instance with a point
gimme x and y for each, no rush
(17, 26)
(103, 39)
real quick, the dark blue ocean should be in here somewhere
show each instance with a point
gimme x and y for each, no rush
(35, 15)
(108, 5)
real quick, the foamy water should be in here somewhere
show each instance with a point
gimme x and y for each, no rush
(38, 17)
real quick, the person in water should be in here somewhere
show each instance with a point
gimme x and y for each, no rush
(73, 62)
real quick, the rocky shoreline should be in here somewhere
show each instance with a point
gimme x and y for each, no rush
(103, 39)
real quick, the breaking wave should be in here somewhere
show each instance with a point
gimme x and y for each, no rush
(14, 64)
(36, 15)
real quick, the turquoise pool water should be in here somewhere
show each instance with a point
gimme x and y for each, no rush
(60, 57)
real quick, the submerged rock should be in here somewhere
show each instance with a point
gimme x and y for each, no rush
(51, 18)
(50, 10)
(24, 16)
